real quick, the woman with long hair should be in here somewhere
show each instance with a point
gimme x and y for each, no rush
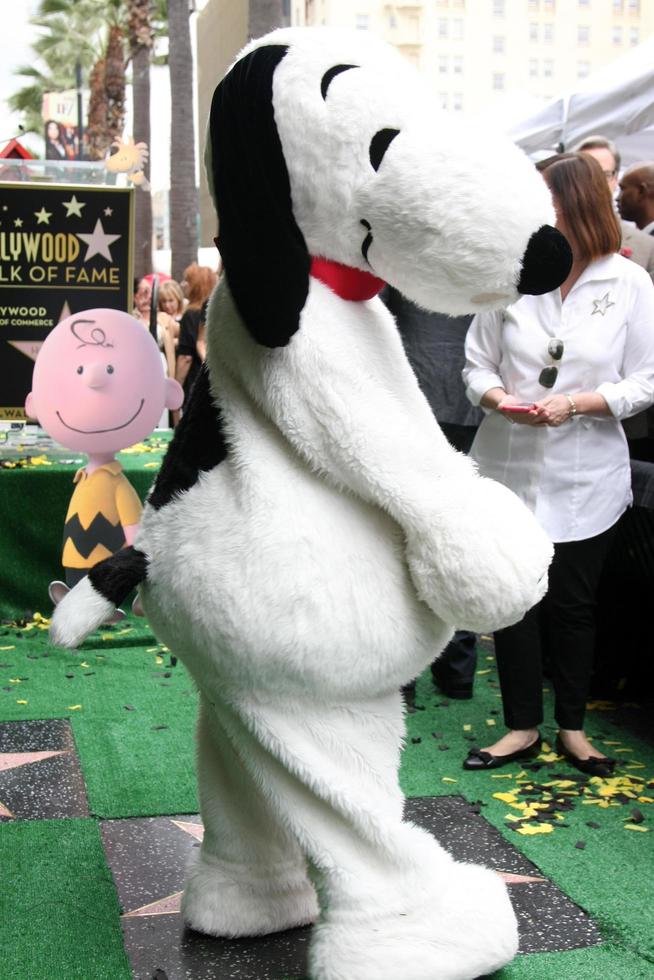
(197, 284)
(556, 373)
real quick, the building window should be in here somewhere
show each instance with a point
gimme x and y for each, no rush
(457, 66)
(548, 68)
(634, 36)
(498, 8)
(533, 32)
(392, 21)
(498, 81)
(457, 101)
(533, 67)
(617, 6)
(583, 3)
(634, 6)
(583, 69)
(616, 34)
(498, 44)
(362, 22)
(443, 27)
(457, 29)
(548, 6)
(548, 33)
(444, 100)
(443, 64)
(583, 34)
(533, 5)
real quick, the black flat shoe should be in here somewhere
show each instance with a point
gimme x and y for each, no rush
(478, 759)
(592, 766)
(451, 689)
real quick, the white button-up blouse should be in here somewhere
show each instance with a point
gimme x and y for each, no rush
(575, 477)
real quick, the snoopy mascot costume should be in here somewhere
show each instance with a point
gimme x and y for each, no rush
(312, 539)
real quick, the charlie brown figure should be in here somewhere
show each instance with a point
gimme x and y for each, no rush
(99, 386)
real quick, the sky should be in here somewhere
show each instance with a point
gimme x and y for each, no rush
(14, 51)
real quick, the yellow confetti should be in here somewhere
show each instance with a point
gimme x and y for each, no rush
(485, 671)
(548, 756)
(505, 797)
(467, 728)
(7, 648)
(490, 658)
(503, 775)
(539, 828)
(158, 660)
(645, 799)
(15, 680)
(74, 707)
(607, 742)
(635, 765)
(448, 779)
(513, 817)
(152, 649)
(148, 466)
(636, 826)
(83, 663)
(22, 702)
(623, 750)
(490, 721)
(546, 747)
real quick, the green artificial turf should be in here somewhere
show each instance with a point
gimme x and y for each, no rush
(611, 877)
(131, 711)
(133, 714)
(59, 913)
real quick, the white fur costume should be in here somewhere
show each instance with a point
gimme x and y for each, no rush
(325, 553)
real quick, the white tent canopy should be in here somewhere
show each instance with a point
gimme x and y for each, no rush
(617, 101)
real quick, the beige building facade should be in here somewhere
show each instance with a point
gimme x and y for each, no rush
(473, 53)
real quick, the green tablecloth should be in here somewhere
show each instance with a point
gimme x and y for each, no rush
(35, 489)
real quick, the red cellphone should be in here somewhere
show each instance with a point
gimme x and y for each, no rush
(522, 408)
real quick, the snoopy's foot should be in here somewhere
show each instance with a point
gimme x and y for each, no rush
(225, 899)
(465, 930)
(57, 591)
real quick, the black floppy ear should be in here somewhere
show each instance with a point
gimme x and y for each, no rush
(264, 253)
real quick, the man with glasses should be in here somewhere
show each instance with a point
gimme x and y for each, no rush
(636, 245)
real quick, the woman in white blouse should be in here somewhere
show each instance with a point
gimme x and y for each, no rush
(556, 374)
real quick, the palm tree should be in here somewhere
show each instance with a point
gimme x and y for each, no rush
(183, 189)
(87, 32)
(264, 16)
(141, 41)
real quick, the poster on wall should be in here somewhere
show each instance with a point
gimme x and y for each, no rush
(61, 125)
(63, 249)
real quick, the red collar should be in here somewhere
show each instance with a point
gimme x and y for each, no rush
(346, 281)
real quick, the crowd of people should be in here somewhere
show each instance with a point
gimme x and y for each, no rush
(563, 388)
(179, 322)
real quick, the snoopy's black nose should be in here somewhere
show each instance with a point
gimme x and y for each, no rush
(546, 263)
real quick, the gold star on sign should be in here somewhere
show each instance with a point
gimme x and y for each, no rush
(18, 222)
(43, 216)
(73, 207)
(108, 212)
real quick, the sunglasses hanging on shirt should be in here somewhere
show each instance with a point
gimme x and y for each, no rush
(547, 377)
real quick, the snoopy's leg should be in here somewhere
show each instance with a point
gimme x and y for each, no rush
(394, 904)
(250, 877)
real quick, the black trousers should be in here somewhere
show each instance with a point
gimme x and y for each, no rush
(563, 625)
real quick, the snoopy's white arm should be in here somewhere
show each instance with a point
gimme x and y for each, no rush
(344, 395)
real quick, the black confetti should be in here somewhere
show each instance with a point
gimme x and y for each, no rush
(591, 823)
(129, 707)
(636, 816)
(580, 845)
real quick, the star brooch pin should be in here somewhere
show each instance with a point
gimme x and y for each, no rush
(602, 305)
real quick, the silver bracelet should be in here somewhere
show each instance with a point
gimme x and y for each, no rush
(573, 406)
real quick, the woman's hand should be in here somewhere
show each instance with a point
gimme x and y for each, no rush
(521, 417)
(553, 410)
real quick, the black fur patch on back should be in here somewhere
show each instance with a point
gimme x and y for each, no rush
(263, 250)
(116, 576)
(197, 446)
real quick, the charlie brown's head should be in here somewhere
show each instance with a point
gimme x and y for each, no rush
(99, 383)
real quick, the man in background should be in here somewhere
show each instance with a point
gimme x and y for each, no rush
(636, 197)
(636, 245)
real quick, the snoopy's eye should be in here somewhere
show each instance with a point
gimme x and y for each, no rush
(110, 369)
(330, 74)
(379, 144)
(80, 370)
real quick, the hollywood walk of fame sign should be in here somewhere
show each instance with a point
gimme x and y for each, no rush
(63, 249)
